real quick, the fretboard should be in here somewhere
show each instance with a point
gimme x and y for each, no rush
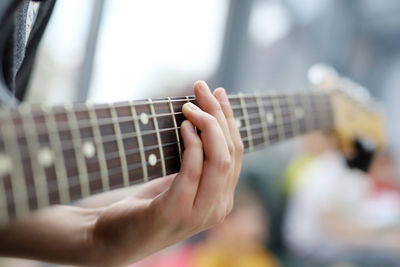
(60, 154)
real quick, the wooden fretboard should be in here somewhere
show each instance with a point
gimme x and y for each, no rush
(53, 155)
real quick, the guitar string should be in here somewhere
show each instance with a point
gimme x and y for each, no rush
(247, 96)
(110, 122)
(271, 132)
(262, 135)
(85, 123)
(32, 193)
(152, 132)
(285, 113)
(70, 144)
(75, 180)
(94, 176)
(73, 143)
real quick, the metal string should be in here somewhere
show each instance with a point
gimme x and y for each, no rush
(261, 135)
(53, 187)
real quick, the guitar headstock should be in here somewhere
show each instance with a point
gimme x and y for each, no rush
(357, 114)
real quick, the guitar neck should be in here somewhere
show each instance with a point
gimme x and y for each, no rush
(60, 154)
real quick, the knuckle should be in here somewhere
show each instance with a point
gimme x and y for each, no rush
(239, 147)
(225, 163)
(218, 107)
(231, 148)
(227, 110)
(219, 216)
(212, 120)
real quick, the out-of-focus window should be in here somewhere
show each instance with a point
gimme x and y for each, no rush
(146, 47)
(61, 53)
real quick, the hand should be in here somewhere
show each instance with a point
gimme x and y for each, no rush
(157, 214)
(173, 208)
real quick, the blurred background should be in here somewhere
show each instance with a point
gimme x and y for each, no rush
(312, 210)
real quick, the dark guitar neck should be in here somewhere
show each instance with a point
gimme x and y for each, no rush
(60, 154)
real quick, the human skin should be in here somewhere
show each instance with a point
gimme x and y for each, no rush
(155, 215)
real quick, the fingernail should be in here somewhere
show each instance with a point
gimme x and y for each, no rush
(220, 94)
(190, 106)
(201, 85)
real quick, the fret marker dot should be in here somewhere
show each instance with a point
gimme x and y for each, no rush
(270, 117)
(45, 157)
(238, 123)
(299, 113)
(88, 149)
(5, 164)
(152, 160)
(144, 118)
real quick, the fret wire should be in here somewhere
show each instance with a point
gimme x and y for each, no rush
(59, 161)
(256, 136)
(99, 148)
(99, 106)
(295, 120)
(133, 166)
(77, 145)
(307, 104)
(107, 121)
(132, 151)
(3, 203)
(278, 115)
(82, 106)
(39, 175)
(93, 177)
(259, 126)
(140, 143)
(100, 122)
(262, 115)
(187, 101)
(158, 138)
(151, 148)
(78, 107)
(19, 188)
(74, 179)
(121, 149)
(109, 138)
(171, 108)
(244, 110)
(323, 121)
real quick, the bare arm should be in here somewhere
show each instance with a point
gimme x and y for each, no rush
(158, 214)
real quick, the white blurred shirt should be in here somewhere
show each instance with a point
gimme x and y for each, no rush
(32, 13)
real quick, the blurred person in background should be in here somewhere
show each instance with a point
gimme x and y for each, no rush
(339, 214)
(129, 224)
(237, 242)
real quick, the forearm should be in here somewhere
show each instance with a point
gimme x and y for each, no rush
(107, 198)
(57, 234)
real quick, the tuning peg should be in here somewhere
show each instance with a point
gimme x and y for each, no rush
(322, 76)
(354, 90)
